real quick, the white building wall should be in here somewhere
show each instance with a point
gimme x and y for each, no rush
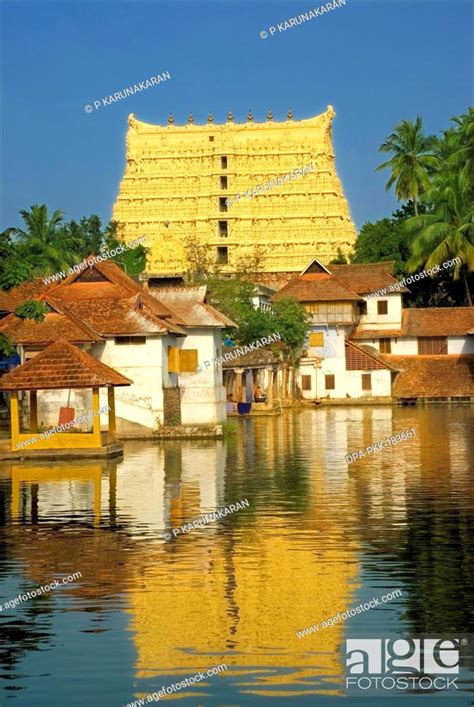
(461, 344)
(391, 320)
(141, 402)
(203, 395)
(405, 347)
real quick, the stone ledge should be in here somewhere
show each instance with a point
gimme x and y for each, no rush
(188, 431)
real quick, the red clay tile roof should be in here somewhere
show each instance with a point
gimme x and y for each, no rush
(316, 288)
(62, 365)
(188, 303)
(30, 290)
(358, 358)
(437, 321)
(361, 334)
(112, 317)
(366, 278)
(432, 376)
(53, 327)
(7, 302)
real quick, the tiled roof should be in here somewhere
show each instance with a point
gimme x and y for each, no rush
(433, 376)
(316, 288)
(359, 358)
(29, 290)
(53, 327)
(437, 321)
(251, 359)
(111, 317)
(7, 302)
(366, 278)
(62, 365)
(188, 303)
(361, 333)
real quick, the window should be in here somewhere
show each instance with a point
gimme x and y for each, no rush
(173, 359)
(382, 306)
(188, 360)
(123, 340)
(222, 205)
(432, 345)
(362, 308)
(222, 255)
(222, 229)
(223, 182)
(316, 338)
(330, 381)
(325, 312)
(211, 138)
(182, 360)
(366, 381)
(306, 382)
(385, 346)
(223, 162)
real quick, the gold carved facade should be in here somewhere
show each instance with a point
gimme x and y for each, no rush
(173, 189)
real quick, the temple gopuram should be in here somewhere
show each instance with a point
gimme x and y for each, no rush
(248, 191)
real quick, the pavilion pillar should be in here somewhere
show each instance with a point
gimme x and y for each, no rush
(33, 411)
(241, 397)
(97, 438)
(270, 386)
(112, 418)
(14, 418)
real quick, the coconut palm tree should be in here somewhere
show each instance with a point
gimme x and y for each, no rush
(412, 162)
(448, 230)
(41, 240)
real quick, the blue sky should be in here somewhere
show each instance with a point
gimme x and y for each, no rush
(376, 62)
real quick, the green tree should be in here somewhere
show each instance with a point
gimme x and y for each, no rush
(292, 322)
(448, 231)
(40, 243)
(33, 309)
(340, 259)
(7, 348)
(412, 162)
(13, 269)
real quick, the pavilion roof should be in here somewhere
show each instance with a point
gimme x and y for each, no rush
(62, 365)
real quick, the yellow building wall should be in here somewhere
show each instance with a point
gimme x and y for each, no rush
(171, 189)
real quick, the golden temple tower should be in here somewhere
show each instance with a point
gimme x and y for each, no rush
(189, 181)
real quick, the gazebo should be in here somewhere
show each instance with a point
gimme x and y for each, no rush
(62, 366)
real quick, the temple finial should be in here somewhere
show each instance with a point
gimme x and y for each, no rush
(269, 115)
(190, 119)
(170, 119)
(210, 118)
(250, 116)
(230, 117)
(290, 114)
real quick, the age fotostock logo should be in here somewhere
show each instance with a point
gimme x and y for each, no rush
(403, 663)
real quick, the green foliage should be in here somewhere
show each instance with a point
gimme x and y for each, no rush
(31, 310)
(292, 322)
(133, 260)
(412, 160)
(383, 240)
(340, 259)
(7, 348)
(13, 270)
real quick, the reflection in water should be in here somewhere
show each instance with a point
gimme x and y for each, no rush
(317, 537)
